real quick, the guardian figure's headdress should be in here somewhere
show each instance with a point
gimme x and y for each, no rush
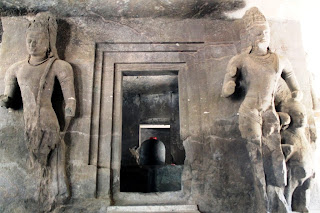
(253, 17)
(46, 23)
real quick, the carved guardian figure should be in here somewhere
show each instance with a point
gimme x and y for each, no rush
(299, 156)
(259, 70)
(35, 76)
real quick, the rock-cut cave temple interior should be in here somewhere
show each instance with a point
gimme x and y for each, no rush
(164, 106)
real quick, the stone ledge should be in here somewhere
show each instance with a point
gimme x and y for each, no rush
(162, 209)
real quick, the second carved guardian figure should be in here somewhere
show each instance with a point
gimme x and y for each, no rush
(259, 70)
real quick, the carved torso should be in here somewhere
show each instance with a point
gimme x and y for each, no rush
(28, 78)
(260, 75)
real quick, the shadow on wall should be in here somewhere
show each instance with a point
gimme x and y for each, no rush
(1, 31)
(63, 37)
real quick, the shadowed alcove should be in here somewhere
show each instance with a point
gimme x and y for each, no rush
(150, 108)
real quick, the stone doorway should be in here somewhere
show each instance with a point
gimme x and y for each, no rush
(113, 61)
(150, 108)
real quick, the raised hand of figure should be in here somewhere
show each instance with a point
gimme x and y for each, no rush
(288, 150)
(297, 95)
(70, 109)
(284, 120)
(5, 101)
(228, 89)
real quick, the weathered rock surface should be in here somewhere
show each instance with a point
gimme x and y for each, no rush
(217, 174)
(124, 8)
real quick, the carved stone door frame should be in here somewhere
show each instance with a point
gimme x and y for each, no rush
(112, 61)
(143, 69)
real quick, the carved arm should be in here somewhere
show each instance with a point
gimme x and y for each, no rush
(66, 79)
(11, 85)
(229, 83)
(284, 120)
(290, 78)
(288, 150)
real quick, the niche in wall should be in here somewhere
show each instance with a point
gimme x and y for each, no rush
(150, 108)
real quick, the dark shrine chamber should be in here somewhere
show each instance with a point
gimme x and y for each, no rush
(152, 154)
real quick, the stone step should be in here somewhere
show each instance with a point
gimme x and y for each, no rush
(154, 209)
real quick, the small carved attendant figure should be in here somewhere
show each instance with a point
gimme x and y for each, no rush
(259, 69)
(35, 76)
(298, 152)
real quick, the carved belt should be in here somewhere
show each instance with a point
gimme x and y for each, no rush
(245, 111)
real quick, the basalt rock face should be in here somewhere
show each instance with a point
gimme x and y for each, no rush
(210, 176)
(217, 172)
(125, 9)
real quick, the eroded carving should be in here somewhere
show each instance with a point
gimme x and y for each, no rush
(258, 70)
(35, 76)
(298, 151)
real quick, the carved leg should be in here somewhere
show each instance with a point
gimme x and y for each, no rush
(46, 155)
(250, 122)
(301, 196)
(275, 170)
(291, 186)
(59, 187)
(45, 200)
(255, 154)
(64, 190)
(277, 200)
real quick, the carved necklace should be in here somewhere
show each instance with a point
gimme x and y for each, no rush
(37, 63)
(265, 60)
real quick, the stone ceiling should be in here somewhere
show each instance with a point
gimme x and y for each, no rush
(113, 9)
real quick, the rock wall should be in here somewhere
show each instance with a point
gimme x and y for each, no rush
(217, 169)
